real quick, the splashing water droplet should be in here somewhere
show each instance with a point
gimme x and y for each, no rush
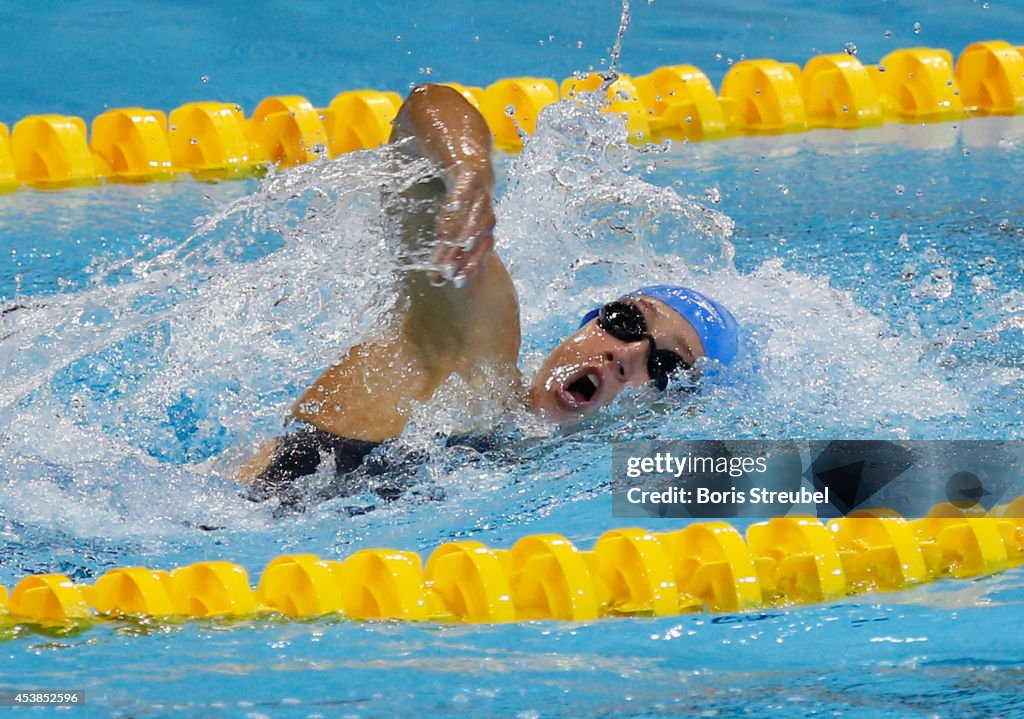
(617, 47)
(850, 49)
(917, 28)
(204, 79)
(983, 284)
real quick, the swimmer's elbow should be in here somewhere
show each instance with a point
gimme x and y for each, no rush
(444, 126)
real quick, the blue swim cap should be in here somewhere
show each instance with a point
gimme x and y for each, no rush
(714, 324)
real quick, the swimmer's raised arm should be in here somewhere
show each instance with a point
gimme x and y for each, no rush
(439, 124)
(438, 328)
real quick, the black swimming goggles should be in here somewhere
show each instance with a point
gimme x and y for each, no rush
(624, 321)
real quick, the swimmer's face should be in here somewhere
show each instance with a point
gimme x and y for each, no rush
(588, 369)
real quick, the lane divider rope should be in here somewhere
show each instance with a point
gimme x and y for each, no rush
(705, 566)
(214, 140)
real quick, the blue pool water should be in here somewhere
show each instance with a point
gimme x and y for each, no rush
(163, 330)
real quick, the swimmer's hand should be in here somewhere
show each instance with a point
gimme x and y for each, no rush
(465, 224)
(445, 128)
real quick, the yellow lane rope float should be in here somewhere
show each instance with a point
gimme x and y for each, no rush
(705, 566)
(215, 140)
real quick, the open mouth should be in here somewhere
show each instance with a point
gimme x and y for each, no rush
(582, 389)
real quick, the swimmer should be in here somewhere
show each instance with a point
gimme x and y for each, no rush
(462, 318)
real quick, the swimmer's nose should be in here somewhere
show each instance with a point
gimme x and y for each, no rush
(629, 362)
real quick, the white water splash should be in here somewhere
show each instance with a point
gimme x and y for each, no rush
(128, 403)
